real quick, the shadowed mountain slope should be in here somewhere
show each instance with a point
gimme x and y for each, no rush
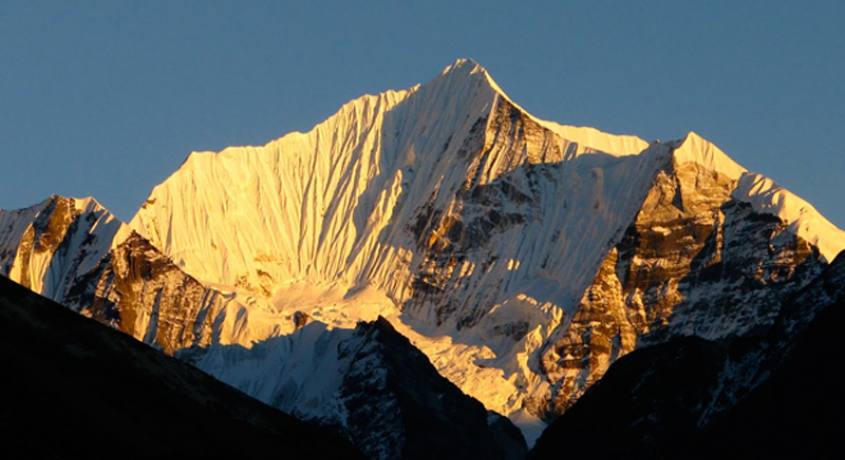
(776, 395)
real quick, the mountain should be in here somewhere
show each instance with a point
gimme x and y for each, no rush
(75, 252)
(521, 256)
(658, 402)
(453, 213)
(73, 388)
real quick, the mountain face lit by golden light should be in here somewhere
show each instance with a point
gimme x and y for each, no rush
(521, 256)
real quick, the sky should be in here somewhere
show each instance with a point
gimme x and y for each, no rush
(106, 99)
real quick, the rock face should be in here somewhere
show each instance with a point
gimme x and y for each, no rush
(141, 292)
(73, 388)
(773, 393)
(522, 257)
(48, 246)
(75, 252)
(695, 262)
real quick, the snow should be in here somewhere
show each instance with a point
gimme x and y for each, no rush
(599, 141)
(530, 425)
(83, 245)
(300, 373)
(765, 195)
(13, 224)
(695, 149)
(804, 220)
(591, 138)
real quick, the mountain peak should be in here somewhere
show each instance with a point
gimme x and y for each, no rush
(464, 70)
(764, 195)
(696, 149)
(469, 70)
(804, 220)
(48, 245)
(463, 64)
(82, 204)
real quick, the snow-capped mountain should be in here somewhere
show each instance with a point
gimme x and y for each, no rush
(521, 256)
(479, 224)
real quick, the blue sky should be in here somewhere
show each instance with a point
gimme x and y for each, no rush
(107, 98)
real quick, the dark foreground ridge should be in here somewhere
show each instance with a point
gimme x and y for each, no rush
(73, 388)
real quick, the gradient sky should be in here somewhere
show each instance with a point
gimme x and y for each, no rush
(107, 98)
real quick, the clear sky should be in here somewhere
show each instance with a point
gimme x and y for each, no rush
(107, 98)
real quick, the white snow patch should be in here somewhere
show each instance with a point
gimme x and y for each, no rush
(530, 425)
